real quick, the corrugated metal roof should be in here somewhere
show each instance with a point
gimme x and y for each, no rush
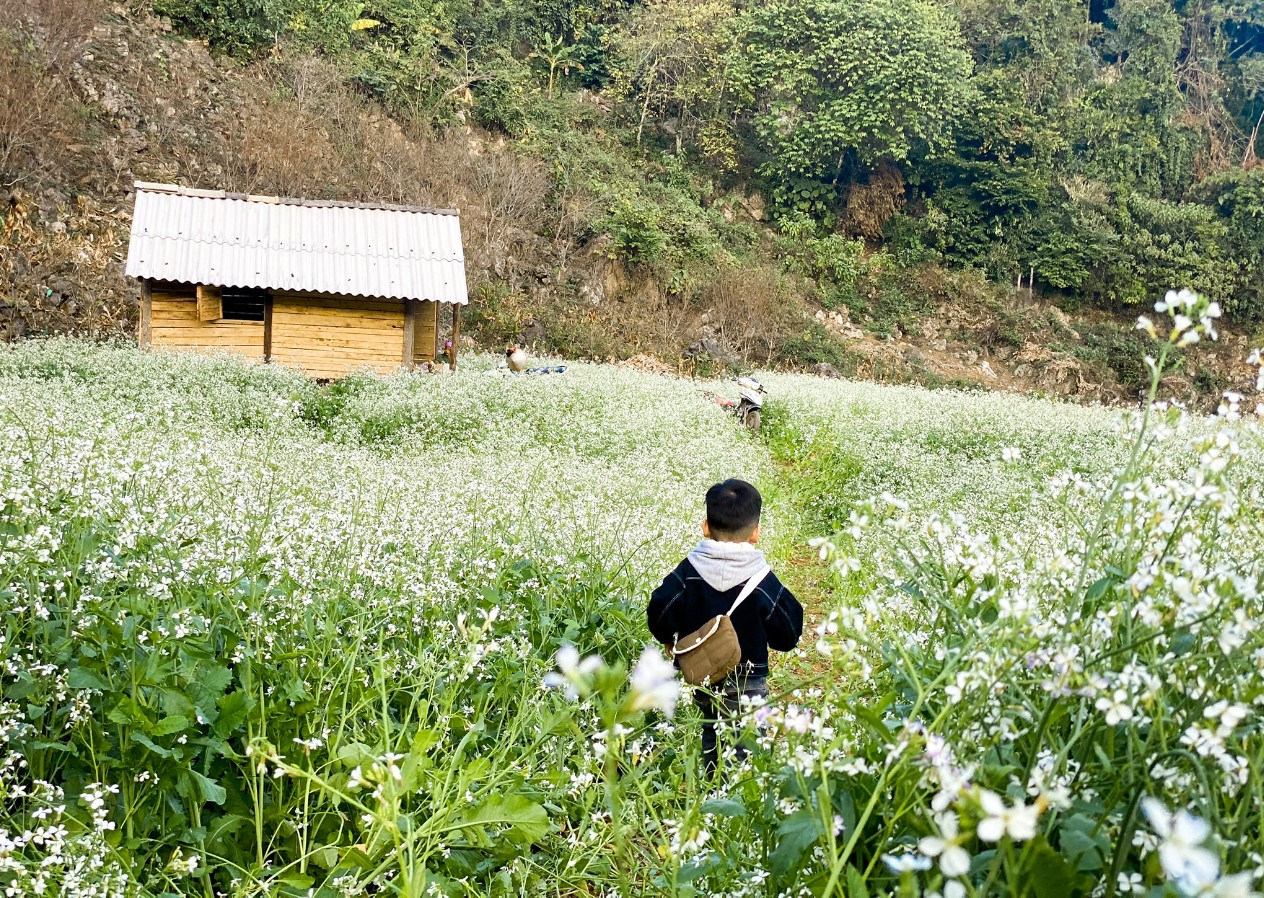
(356, 249)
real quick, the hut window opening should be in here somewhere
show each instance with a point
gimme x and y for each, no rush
(244, 303)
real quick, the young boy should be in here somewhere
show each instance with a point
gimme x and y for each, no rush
(707, 582)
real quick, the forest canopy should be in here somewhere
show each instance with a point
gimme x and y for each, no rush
(1109, 148)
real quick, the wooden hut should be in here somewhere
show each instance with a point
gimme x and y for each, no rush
(327, 287)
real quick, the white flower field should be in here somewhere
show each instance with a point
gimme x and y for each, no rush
(263, 637)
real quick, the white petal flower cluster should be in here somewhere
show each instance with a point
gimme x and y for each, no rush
(953, 859)
(1183, 853)
(1001, 820)
(654, 683)
(437, 537)
(573, 676)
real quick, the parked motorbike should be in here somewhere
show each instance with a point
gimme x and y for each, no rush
(749, 405)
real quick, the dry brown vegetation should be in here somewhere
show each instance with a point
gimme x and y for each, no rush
(37, 51)
(312, 136)
(59, 27)
(871, 205)
(748, 309)
(33, 114)
(77, 128)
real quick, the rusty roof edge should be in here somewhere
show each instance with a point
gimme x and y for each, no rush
(194, 192)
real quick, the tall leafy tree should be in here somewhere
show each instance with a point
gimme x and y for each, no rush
(844, 85)
(673, 61)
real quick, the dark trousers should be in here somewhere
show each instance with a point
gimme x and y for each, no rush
(723, 705)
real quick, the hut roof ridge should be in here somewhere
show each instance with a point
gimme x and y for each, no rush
(179, 190)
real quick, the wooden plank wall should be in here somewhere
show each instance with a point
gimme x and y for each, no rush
(332, 337)
(427, 326)
(174, 323)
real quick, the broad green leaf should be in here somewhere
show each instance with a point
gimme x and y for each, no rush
(126, 712)
(208, 789)
(1083, 843)
(1049, 873)
(795, 835)
(83, 678)
(1081, 850)
(23, 687)
(856, 887)
(142, 739)
(355, 754)
(527, 821)
(724, 807)
(210, 681)
(173, 702)
(168, 725)
(326, 858)
(233, 709)
(1098, 589)
(226, 825)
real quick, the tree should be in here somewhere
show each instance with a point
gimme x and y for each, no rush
(672, 59)
(558, 57)
(1042, 46)
(847, 84)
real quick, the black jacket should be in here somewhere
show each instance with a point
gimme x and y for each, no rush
(771, 617)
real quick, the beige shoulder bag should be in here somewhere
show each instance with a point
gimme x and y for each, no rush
(712, 652)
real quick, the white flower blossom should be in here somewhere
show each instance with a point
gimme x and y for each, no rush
(1018, 822)
(654, 683)
(906, 863)
(1185, 860)
(954, 860)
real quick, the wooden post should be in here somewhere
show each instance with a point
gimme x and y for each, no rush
(145, 323)
(456, 332)
(438, 348)
(267, 328)
(410, 332)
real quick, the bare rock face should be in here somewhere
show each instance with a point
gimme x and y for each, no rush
(754, 205)
(712, 348)
(825, 369)
(533, 333)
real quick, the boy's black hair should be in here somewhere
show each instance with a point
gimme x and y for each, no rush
(733, 509)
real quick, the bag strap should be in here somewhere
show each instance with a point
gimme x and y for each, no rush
(751, 585)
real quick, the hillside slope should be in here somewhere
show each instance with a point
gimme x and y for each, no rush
(98, 95)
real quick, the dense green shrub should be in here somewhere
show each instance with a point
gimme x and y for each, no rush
(503, 101)
(1162, 243)
(1239, 196)
(635, 227)
(237, 27)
